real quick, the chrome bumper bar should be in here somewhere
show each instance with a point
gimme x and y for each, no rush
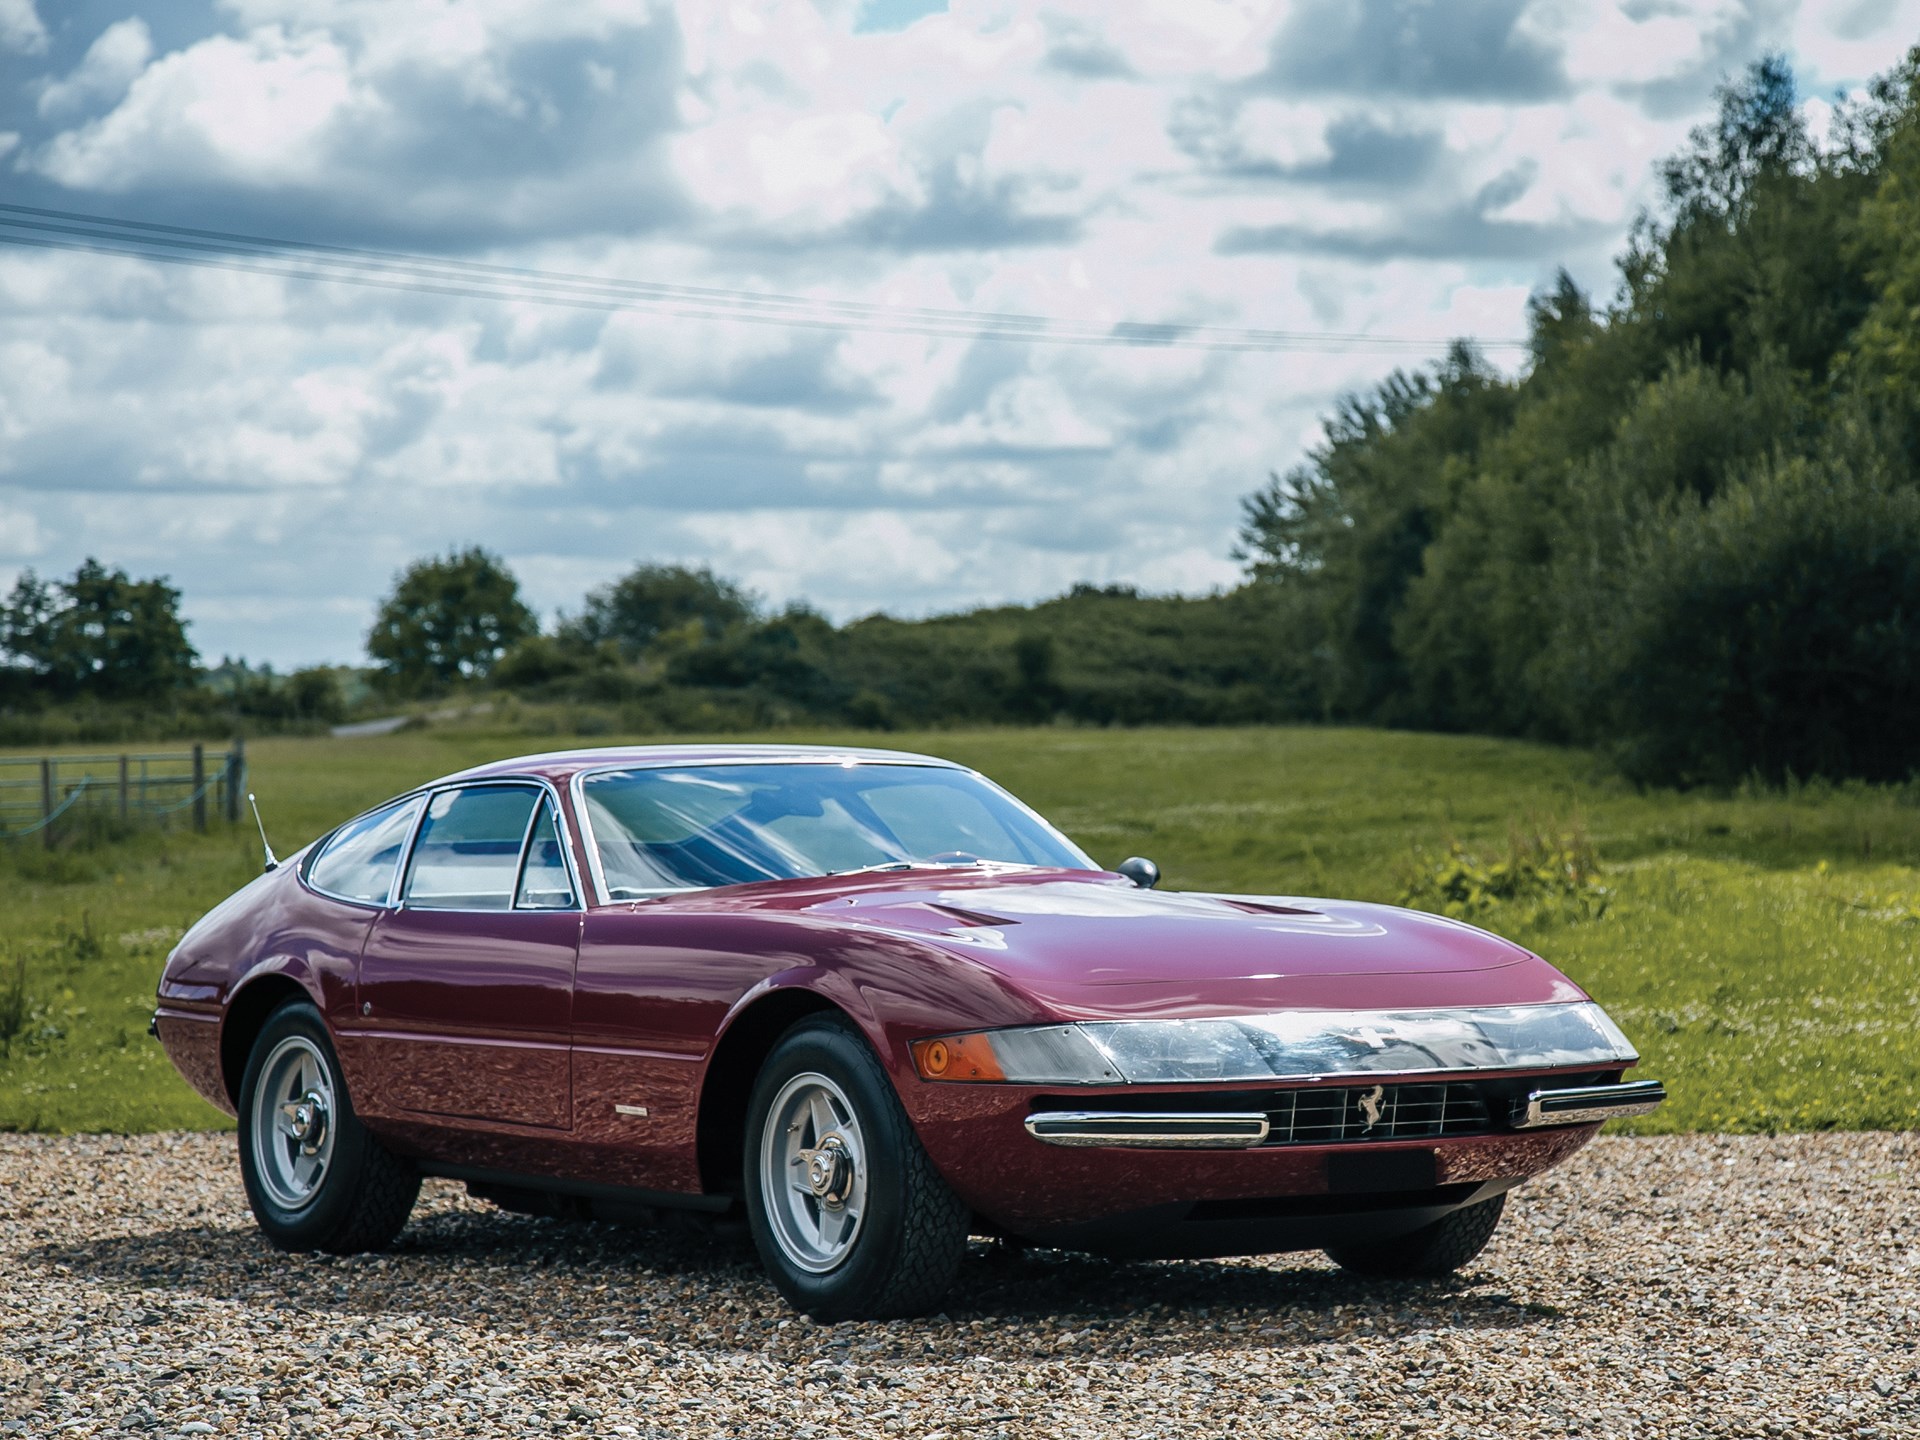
(1238, 1130)
(1584, 1104)
(1150, 1131)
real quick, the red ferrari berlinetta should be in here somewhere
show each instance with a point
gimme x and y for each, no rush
(876, 1004)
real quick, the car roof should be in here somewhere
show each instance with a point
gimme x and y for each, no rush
(559, 765)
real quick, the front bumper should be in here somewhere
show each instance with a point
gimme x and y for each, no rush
(1585, 1104)
(1036, 1161)
(1239, 1130)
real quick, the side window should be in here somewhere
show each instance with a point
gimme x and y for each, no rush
(359, 861)
(468, 852)
(544, 882)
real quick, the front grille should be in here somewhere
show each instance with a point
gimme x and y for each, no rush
(1375, 1112)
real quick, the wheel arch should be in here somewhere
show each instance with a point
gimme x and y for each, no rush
(252, 1001)
(731, 1071)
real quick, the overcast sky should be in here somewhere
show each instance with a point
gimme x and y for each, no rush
(280, 448)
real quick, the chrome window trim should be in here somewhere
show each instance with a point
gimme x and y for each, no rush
(567, 853)
(549, 801)
(533, 782)
(589, 846)
(526, 848)
(577, 782)
(424, 795)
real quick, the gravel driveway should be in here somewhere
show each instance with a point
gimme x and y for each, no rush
(1679, 1286)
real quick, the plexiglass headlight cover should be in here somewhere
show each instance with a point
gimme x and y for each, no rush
(1309, 1045)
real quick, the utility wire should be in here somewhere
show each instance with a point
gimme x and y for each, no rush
(40, 228)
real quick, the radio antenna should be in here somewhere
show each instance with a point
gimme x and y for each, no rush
(266, 848)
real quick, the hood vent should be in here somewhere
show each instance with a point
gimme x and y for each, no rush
(967, 917)
(1258, 907)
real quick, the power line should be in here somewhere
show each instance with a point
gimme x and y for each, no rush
(40, 228)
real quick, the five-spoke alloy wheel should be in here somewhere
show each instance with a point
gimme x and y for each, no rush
(315, 1177)
(813, 1171)
(850, 1217)
(292, 1122)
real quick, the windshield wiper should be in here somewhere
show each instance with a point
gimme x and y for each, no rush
(912, 865)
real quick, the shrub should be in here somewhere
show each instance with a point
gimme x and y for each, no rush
(1553, 872)
(1773, 631)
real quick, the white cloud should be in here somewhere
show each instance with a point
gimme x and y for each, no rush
(105, 72)
(246, 112)
(1643, 44)
(20, 28)
(21, 537)
(1842, 42)
(281, 448)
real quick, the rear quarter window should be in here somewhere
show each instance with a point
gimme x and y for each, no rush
(360, 859)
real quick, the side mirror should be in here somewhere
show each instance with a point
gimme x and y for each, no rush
(1142, 872)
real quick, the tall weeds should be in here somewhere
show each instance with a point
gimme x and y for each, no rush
(1550, 872)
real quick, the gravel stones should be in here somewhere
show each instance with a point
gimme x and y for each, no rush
(1669, 1286)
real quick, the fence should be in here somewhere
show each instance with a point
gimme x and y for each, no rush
(36, 792)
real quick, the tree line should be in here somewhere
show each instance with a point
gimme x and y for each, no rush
(1689, 533)
(1686, 534)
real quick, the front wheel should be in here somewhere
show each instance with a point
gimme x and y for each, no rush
(1429, 1252)
(315, 1177)
(849, 1216)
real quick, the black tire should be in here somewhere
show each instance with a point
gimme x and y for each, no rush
(362, 1195)
(1429, 1252)
(903, 1257)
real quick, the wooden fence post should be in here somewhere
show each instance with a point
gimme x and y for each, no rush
(199, 786)
(123, 789)
(236, 777)
(46, 802)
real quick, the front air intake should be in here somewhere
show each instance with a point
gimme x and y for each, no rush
(1375, 1112)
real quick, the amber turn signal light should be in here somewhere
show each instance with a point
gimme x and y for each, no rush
(957, 1057)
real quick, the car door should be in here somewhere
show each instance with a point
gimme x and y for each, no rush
(466, 985)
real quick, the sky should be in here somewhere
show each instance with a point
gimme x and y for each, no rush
(1407, 170)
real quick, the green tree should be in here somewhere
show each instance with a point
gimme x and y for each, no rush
(653, 600)
(1463, 549)
(1883, 362)
(100, 634)
(1774, 630)
(448, 619)
(1347, 531)
(1036, 686)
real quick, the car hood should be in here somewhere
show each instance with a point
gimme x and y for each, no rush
(1090, 943)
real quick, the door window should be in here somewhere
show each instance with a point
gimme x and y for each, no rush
(359, 861)
(544, 881)
(468, 853)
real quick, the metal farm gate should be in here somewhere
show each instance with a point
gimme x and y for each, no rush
(37, 791)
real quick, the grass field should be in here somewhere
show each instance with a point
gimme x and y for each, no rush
(1760, 950)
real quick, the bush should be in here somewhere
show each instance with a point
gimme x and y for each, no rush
(1553, 872)
(1773, 631)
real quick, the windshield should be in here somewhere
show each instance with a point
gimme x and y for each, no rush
(677, 829)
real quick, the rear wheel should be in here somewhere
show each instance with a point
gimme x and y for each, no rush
(1433, 1250)
(315, 1177)
(849, 1216)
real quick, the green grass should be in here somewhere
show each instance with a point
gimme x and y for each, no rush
(1760, 949)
